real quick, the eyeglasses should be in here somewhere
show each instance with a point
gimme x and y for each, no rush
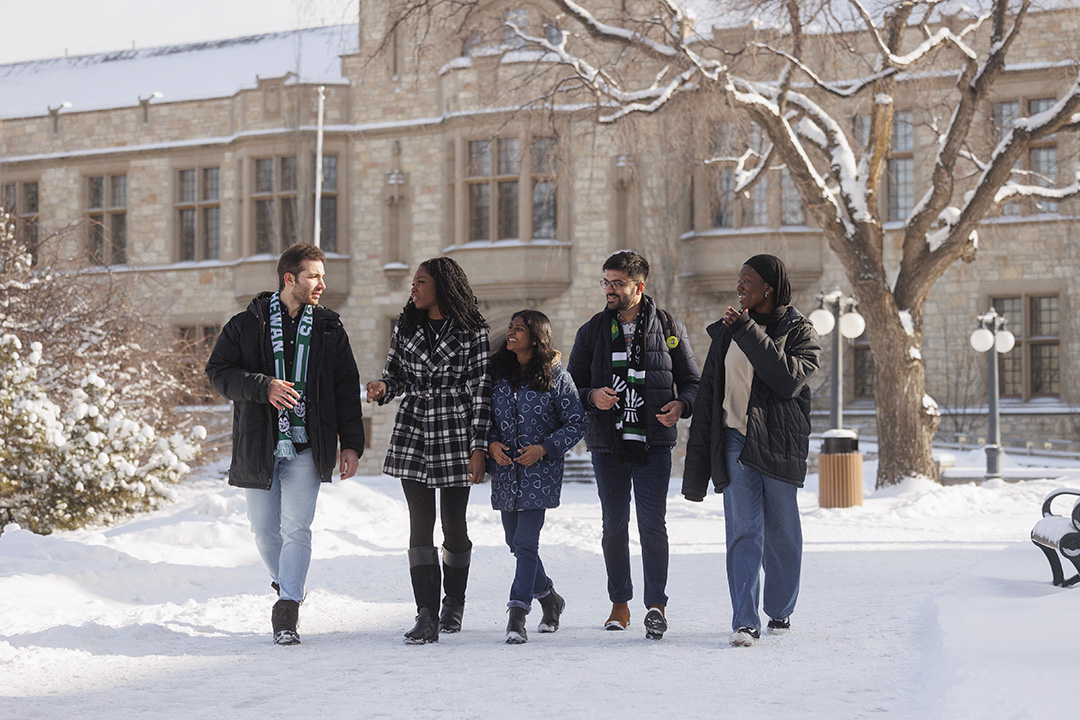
(614, 284)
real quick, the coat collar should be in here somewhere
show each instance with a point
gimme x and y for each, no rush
(448, 346)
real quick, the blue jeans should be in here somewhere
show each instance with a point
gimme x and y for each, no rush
(522, 528)
(763, 527)
(614, 480)
(281, 520)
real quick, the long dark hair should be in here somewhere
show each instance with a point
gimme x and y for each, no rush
(452, 293)
(539, 372)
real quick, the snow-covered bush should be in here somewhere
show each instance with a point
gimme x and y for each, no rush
(114, 447)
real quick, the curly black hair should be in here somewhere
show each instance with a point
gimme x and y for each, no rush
(452, 293)
(539, 372)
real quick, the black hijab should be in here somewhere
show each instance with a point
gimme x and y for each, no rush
(772, 271)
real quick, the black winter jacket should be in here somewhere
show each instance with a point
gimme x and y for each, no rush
(241, 367)
(778, 414)
(666, 371)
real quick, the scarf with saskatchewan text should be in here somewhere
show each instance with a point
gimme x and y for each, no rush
(292, 426)
(628, 380)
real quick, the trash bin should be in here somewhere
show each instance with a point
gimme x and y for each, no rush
(840, 479)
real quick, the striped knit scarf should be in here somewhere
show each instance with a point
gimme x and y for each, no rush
(628, 380)
(292, 425)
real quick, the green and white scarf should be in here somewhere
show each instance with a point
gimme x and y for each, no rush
(292, 426)
(628, 380)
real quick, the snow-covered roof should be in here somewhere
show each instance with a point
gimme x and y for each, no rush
(193, 71)
(824, 16)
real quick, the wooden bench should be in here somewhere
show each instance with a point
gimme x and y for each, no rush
(1059, 534)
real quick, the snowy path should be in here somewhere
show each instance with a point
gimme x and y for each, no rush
(904, 602)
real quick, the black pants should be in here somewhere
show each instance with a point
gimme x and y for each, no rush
(452, 504)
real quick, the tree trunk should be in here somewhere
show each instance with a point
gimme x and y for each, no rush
(905, 426)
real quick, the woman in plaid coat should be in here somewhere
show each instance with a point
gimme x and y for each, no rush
(438, 363)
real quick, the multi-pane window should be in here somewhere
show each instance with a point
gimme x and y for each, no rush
(756, 208)
(1005, 114)
(1044, 157)
(901, 168)
(791, 204)
(198, 213)
(516, 17)
(21, 203)
(723, 205)
(1033, 367)
(106, 213)
(497, 171)
(329, 205)
(275, 204)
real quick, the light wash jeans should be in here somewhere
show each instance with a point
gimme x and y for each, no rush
(763, 528)
(281, 520)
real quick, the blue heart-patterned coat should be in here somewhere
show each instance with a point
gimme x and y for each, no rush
(523, 417)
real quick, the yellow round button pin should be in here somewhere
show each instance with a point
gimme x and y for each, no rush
(673, 342)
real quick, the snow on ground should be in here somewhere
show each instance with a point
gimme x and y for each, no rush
(926, 602)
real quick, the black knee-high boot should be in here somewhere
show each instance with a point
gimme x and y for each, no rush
(424, 570)
(455, 578)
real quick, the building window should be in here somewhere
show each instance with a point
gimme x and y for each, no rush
(1044, 157)
(901, 169)
(328, 204)
(495, 173)
(198, 213)
(1033, 367)
(21, 203)
(275, 204)
(517, 17)
(723, 211)
(791, 204)
(552, 32)
(106, 213)
(1005, 114)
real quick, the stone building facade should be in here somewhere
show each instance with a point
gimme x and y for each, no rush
(188, 169)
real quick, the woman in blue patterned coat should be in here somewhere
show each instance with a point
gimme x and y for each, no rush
(538, 418)
(438, 363)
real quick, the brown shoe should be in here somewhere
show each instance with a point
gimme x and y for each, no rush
(619, 618)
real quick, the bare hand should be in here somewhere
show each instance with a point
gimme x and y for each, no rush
(282, 396)
(349, 461)
(477, 465)
(376, 390)
(670, 413)
(498, 453)
(528, 455)
(730, 316)
(604, 398)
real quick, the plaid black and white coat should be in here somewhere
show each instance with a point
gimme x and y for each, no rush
(445, 410)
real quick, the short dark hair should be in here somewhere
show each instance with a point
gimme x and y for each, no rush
(629, 262)
(291, 260)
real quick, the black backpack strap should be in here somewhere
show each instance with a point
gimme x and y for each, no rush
(593, 333)
(671, 335)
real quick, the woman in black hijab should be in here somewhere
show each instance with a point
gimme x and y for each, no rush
(751, 433)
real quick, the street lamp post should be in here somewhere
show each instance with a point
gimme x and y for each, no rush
(835, 309)
(991, 334)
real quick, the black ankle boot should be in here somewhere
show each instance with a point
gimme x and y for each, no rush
(515, 627)
(426, 629)
(455, 570)
(553, 605)
(284, 619)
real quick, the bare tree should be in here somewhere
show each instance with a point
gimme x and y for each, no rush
(802, 87)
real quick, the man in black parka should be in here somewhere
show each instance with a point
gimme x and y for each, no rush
(636, 375)
(287, 366)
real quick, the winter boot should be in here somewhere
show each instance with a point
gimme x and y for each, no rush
(424, 570)
(619, 618)
(284, 618)
(515, 627)
(553, 605)
(655, 622)
(455, 577)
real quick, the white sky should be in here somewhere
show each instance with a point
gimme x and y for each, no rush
(51, 28)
